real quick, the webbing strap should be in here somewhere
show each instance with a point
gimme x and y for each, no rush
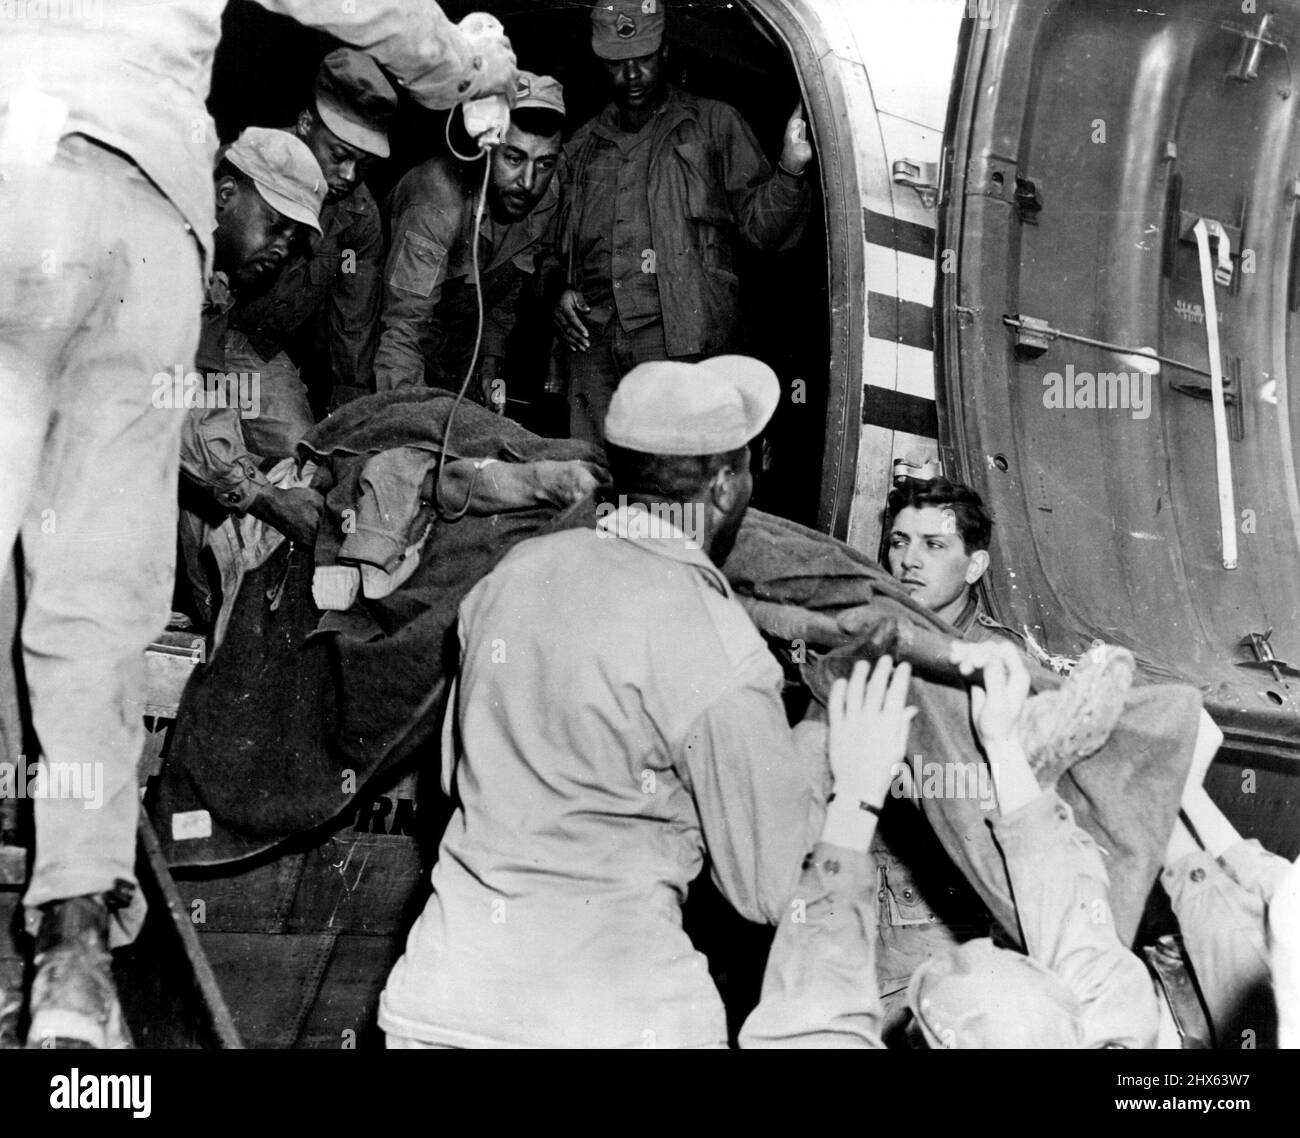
(1222, 456)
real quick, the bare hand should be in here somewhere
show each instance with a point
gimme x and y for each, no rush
(496, 72)
(296, 513)
(567, 323)
(996, 706)
(869, 725)
(796, 150)
(564, 483)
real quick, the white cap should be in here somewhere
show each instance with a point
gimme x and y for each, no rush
(711, 407)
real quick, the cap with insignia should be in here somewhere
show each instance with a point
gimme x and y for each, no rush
(540, 91)
(625, 29)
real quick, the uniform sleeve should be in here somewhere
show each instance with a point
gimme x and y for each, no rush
(214, 455)
(1061, 893)
(425, 52)
(355, 299)
(1221, 908)
(423, 238)
(771, 208)
(820, 989)
(760, 792)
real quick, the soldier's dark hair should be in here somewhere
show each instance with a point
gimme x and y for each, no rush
(973, 520)
(541, 121)
(666, 477)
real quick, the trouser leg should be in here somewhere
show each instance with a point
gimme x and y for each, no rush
(595, 374)
(99, 523)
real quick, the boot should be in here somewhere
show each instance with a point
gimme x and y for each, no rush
(73, 1000)
(1057, 728)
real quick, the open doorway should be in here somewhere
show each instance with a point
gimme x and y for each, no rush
(264, 69)
(263, 75)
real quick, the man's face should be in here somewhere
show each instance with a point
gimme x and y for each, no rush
(522, 168)
(252, 239)
(637, 82)
(344, 165)
(927, 555)
(725, 531)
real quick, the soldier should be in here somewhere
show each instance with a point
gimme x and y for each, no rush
(106, 218)
(269, 191)
(634, 722)
(660, 187)
(430, 303)
(327, 294)
(936, 541)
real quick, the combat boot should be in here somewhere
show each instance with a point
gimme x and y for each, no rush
(73, 999)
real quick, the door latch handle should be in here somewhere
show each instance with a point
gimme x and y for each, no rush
(923, 177)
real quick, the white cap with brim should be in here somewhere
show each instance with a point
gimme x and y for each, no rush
(978, 995)
(287, 206)
(711, 407)
(284, 171)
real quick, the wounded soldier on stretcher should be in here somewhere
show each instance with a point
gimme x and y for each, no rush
(1076, 985)
(1069, 894)
(400, 493)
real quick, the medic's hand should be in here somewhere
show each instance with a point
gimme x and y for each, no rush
(496, 72)
(296, 513)
(796, 150)
(869, 725)
(567, 323)
(996, 706)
